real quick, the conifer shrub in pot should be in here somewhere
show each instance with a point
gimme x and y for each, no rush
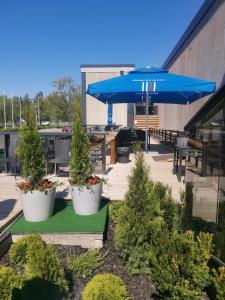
(85, 188)
(37, 194)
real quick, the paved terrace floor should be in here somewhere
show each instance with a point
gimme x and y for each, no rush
(159, 158)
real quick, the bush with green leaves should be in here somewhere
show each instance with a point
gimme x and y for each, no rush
(30, 149)
(114, 210)
(179, 264)
(105, 287)
(43, 263)
(18, 251)
(139, 219)
(80, 163)
(218, 280)
(85, 264)
(10, 283)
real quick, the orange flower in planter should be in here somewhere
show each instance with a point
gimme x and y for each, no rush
(41, 186)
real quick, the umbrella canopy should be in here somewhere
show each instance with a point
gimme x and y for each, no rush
(163, 87)
(152, 85)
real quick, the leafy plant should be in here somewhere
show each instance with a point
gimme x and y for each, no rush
(10, 283)
(81, 167)
(85, 264)
(43, 262)
(30, 150)
(218, 280)
(18, 251)
(105, 287)
(139, 219)
(179, 264)
(114, 210)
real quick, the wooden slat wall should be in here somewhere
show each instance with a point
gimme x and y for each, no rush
(140, 121)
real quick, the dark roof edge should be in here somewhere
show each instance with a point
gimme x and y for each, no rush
(188, 32)
(106, 65)
(206, 107)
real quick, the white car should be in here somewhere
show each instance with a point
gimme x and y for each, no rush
(45, 123)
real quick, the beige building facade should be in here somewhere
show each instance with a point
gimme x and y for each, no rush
(95, 112)
(199, 53)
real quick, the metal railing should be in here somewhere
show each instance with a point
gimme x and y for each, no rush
(165, 135)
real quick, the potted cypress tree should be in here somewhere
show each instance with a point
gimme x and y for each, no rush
(37, 194)
(85, 188)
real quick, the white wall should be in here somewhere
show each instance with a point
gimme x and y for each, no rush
(95, 112)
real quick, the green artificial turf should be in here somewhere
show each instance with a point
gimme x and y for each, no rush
(64, 220)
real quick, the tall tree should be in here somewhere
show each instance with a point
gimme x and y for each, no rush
(68, 89)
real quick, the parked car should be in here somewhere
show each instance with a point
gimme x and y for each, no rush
(66, 129)
(45, 123)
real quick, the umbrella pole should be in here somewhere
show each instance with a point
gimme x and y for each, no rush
(146, 123)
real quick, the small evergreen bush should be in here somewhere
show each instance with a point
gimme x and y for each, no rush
(179, 264)
(115, 209)
(18, 251)
(105, 287)
(31, 151)
(10, 283)
(218, 280)
(139, 219)
(85, 264)
(40, 289)
(43, 263)
(81, 167)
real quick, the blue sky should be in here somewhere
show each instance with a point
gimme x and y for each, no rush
(44, 40)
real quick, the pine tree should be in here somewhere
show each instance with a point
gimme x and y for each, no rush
(81, 167)
(139, 219)
(30, 149)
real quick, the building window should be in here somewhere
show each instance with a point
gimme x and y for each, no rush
(140, 109)
(205, 169)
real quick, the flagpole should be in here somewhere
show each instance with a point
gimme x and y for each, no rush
(12, 111)
(146, 121)
(3, 93)
(20, 110)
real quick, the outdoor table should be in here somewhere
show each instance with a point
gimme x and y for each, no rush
(179, 153)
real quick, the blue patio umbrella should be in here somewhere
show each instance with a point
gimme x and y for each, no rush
(151, 85)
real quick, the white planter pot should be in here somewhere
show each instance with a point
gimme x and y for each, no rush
(86, 201)
(38, 206)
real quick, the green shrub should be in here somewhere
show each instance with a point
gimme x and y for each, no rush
(30, 149)
(161, 190)
(179, 264)
(10, 283)
(18, 251)
(40, 289)
(80, 163)
(114, 210)
(218, 279)
(138, 220)
(85, 264)
(43, 263)
(105, 287)
(172, 213)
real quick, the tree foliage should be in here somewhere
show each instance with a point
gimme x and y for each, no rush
(138, 220)
(30, 149)
(55, 107)
(81, 167)
(179, 264)
(105, 286)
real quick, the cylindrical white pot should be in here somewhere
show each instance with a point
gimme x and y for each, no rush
(38, 206)
(86, 201)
